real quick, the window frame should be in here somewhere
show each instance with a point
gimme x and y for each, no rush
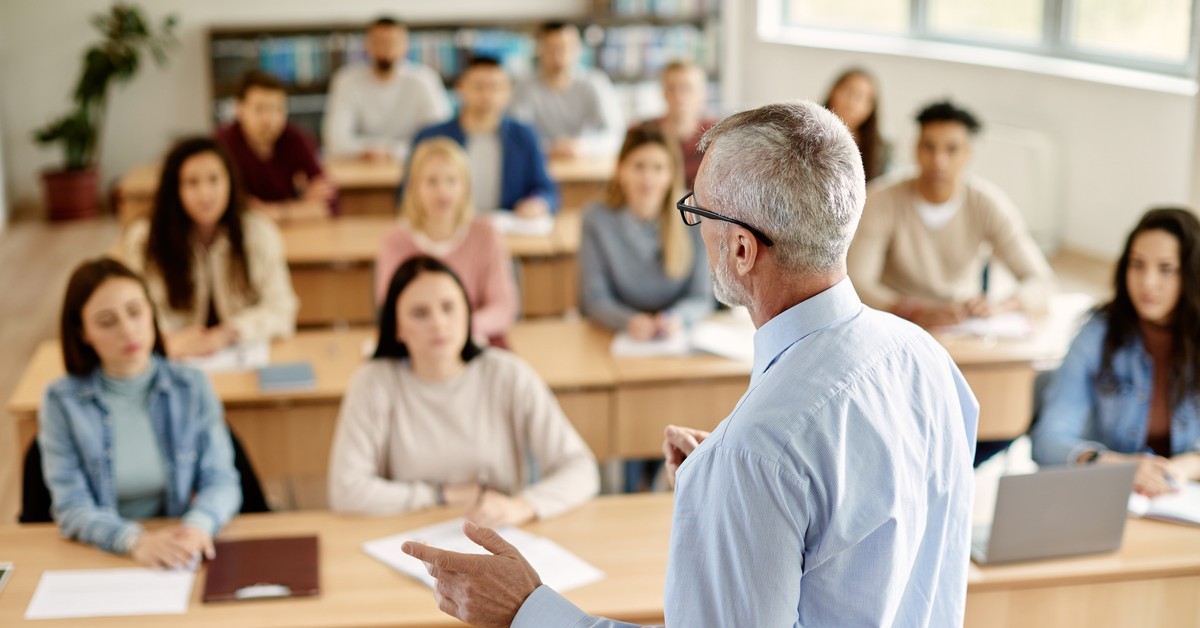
(1055, 41)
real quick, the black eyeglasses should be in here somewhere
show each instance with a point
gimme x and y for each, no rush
(691, 217)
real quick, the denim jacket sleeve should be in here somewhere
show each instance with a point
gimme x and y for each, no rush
(74, 505)
(218, 485)
(1062, 431)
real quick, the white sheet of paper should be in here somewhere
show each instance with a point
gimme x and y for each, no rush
(729, 335)
(110, 593)
(1008, 325)
(240, 357)
(1182, 507)
(558, 568)
(624, 346)
(512, 224)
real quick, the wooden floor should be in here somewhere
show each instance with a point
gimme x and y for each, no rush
(36, 258)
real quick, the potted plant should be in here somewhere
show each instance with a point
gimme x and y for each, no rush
(71, 192)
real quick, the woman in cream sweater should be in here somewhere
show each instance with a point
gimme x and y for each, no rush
(217, 274)
(434, 419)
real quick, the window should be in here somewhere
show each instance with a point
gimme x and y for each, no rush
(1153, 35)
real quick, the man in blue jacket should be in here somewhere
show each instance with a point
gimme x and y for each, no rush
(508, 169)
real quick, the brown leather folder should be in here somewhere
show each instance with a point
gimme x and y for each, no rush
(251, 569)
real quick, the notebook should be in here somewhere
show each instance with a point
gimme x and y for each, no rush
(281, 377)
(263, 568)
(1181, 507)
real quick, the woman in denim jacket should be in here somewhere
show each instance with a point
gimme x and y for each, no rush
(127, 435)
(1128, 389)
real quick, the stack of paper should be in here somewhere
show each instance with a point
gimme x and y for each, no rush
(558, 568)
(1008, 326)
(110, 593)
(1180, 507)
(509, 223)
(624, 346)
(240, 357)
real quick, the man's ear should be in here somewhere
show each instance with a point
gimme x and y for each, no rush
(745, 249)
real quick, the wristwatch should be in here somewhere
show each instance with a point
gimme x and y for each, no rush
(1090, 457)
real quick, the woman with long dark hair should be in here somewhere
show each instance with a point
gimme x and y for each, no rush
(854, 97)
(127, 435)
(434, 419)
(1128, 390)
(216, 272)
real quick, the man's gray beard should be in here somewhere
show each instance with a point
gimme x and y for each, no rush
(725, 287)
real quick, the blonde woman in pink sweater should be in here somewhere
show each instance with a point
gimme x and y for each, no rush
(436, 219)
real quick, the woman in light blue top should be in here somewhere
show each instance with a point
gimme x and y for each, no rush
(127, 435)
(641, 269)
(1127, 390)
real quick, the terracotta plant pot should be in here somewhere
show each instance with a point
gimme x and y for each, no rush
(71, 194)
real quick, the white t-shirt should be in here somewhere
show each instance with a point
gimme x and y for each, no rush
(936, 215)
(486, 158)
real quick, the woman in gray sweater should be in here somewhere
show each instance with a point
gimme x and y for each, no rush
(641, 269)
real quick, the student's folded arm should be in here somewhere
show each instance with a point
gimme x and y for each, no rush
(74, 508)
(867, 256)
(359, 455)
(1013, 245)
(498, 311)
(596, 298)
(1061, 433)
(569, 476)
(274, 315)
(218, 484)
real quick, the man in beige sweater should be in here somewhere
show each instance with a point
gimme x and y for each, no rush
(921, 246)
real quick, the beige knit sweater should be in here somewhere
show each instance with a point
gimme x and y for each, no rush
(896, 255)
(271, 314)
(398, 437)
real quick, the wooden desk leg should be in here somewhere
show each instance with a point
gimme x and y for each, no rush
(1005, 394)
(333, 294)
(289, 448)
(643, 412)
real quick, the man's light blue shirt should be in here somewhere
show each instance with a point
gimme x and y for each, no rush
(838, 491)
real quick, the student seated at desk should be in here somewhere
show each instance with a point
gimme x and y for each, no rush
(1129, 387)
(508, 169)
(574, 109)
(685, 88)
(436, 219)
(276, 161)
(922, 243)
(127, 435)
(854, 97)
(217, 273)
(376, 108)
(641, 269)
(434, 419)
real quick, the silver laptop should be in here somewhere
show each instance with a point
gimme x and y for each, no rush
(1061, 511)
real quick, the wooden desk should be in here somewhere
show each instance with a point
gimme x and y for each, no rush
(287, 435)
(1151, 581)
(369, 187)
(332, 264)
(627, 537)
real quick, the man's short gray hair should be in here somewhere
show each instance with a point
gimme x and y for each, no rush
(793, 171)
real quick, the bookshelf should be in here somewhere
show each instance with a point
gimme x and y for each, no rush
(631, 40)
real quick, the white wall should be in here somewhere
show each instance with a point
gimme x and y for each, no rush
(41, 51)
(1121, 149)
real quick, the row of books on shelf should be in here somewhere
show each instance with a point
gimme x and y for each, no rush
(626, 52)
(657, 8)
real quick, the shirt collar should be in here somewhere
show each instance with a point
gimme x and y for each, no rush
(89, 386)
(837, 302)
